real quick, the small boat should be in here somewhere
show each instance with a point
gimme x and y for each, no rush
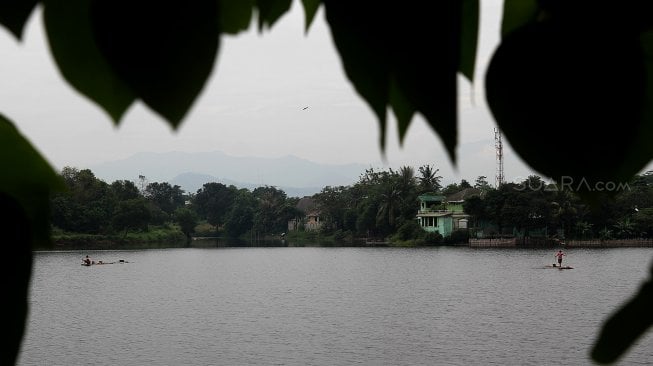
(92, 263)
(558, 267)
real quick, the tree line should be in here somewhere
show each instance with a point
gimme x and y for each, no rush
(91, 206)
(534, 207)
(381, 204)
(385, 203)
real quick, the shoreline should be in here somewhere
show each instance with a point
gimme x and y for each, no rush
(551, 243)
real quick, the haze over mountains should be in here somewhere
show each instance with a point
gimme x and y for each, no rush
(296, 176)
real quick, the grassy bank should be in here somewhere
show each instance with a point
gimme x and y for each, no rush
(154, 237)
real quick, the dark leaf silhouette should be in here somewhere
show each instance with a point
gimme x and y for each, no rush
(626, 326)
(14, 15)
(25, 189)
(469, 38)
(235, 15)
(517, 13)
(270, 11)
(68, 27)
(310, 8)
(29, 180)
(163, 51)
(544, 91)
(403, 56)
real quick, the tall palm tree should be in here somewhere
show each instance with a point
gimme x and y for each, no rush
(390, 202)
(406, 178)
(428, 180)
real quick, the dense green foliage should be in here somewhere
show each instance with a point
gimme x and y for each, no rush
(405, 57)
(375, 207)
(381, 205)
(534, 207)
(92, 206)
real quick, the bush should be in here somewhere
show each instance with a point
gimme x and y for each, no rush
(339, 235)
(205, 229)
(433, 239)
(457, 237)
(311, 235)
(409, 230)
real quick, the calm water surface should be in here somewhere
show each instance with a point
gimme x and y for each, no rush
(328, 306)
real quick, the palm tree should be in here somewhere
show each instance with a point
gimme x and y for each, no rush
(624, 228)
(429, 181)
(270, 206)
(390, 201)
(406, 179)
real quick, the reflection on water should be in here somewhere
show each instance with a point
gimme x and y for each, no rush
(327, 306)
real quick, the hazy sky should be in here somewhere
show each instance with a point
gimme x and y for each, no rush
(252, 105)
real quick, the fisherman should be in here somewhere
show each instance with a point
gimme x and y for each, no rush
(559, 255)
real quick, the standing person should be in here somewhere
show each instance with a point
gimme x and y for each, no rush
(559, 255)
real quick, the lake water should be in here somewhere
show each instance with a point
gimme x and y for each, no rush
(328, 306)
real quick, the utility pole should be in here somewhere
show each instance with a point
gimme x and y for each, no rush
(498, 145)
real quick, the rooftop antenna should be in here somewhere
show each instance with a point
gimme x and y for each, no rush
(498, 145)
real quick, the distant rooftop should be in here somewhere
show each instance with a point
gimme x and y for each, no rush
(431, 198)
(306, 204)
(464, 194)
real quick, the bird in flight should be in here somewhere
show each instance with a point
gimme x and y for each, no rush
(305, 108)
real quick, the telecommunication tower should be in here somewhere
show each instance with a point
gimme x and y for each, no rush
(498, 145)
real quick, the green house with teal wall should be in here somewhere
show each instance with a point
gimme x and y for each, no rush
(444, 214)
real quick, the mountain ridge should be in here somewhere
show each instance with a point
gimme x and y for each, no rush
(296, 176)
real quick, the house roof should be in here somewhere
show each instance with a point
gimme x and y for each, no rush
(431, 198)
(306, 205)
(434, 214)
(464, 194)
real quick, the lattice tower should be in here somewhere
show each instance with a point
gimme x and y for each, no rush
(498, 145)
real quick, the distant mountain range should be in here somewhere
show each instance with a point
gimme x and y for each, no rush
(295, 176)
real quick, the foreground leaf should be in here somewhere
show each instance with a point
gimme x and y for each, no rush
(469, 38)
(269, 11)
(164, 51)
(517, 13)
(68, 27)
(16, 274)
(360, 38)
(27, 178)
(402, 108)
(626, 326)
(14, 14)
(405, 55)
(641, 150)
(543, 92)
(310, 9)
(235, 15)
(26, 183)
